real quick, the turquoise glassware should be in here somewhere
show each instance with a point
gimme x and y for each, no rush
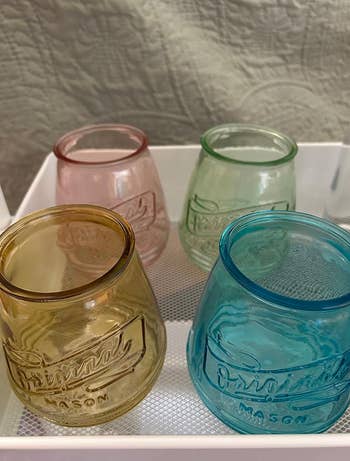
(241, 169)
(269, 349)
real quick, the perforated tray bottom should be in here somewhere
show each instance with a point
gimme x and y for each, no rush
(172, 407)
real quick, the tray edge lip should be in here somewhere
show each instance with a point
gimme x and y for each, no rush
(166, 442)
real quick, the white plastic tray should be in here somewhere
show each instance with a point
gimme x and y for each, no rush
(171, 421)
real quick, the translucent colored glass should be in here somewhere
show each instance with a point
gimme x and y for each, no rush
(111, 166)
(338, 201)
(269, 349)
(81, 330)
(241, 168)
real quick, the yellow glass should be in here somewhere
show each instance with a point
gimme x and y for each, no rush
(81, 330)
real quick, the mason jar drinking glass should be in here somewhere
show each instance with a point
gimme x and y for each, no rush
(269, 349)
(111, 166)
(241, 168)
(83, 338)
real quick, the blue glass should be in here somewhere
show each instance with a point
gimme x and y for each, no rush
(269, 349)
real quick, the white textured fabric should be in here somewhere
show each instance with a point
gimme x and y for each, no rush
(172, 68)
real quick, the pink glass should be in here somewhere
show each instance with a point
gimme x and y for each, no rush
(111, 166)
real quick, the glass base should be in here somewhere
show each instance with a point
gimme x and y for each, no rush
(237, 425)
(201, 260)
(254, 410)
(95, 418)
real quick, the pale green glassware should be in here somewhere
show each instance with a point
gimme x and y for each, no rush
(241, 168)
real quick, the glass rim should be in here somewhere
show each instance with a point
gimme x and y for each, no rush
(261, 217)
(72, 137)
(46, 214)
(250, 128)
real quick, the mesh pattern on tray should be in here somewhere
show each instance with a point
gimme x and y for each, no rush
(177, 282)
(305, 273)
(172, 407)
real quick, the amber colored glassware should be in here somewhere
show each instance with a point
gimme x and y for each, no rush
(81, 330)
(110, 165)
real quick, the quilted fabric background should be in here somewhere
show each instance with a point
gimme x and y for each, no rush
(172, 68)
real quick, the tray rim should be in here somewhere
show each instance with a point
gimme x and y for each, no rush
(171, 442)
(157, 150)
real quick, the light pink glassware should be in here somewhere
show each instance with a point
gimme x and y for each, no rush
(111, 166)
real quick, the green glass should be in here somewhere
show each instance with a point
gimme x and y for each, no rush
(240, 169)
